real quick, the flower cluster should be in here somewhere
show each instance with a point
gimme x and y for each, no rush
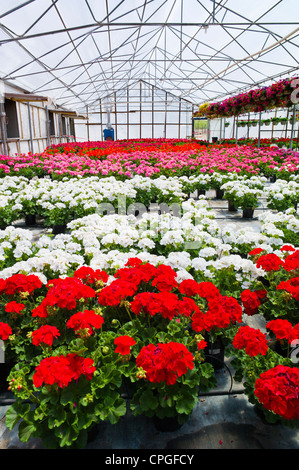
(277, 390)
(252, 340)
(276, 95)
(165, 362)
(61, 370)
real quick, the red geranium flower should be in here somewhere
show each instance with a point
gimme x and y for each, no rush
(65, 293)
(164, 279)
(282, 329)
(251, 301)
(202, 344)
(165, 362)
(270, 262)
(14, 307)
(90, 276)
(252, 340)
(208, 290)
(45, 335)
(21, 283)
(116, 292)
(188, 287)
(61, 370)
(278, 390)
(5, 331)
(287, 248)
(255, 251)
(292, 261)
(291, 286)
(123, 344)
(86, 320)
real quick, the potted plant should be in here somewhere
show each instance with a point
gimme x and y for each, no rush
(256, 365)
(243, 196)
(78, 340)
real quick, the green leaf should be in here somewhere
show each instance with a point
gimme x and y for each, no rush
(26, 430)
(12, 417)
(57, 417)
(67, 434)
(148, 401)
(116, 412)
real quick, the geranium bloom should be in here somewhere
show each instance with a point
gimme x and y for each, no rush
(251, 301)
(252, 340)
(61, 370)
(164, 279)
(270, 262)
(117, 291)
(166, 304)
(188, 287)
(45, 335)
(202, 344)
(287, 248)
(123, 344)
(165, 362)
(282, 329)
(222, 311)
(90, 276)
(21, 283)
(278, 390)
(292, 261)
(187, 307)
(255, 251)
(86, 320)
(208, 290)
(5, 331)
(291, 286)
(65, 293)
(14, 307)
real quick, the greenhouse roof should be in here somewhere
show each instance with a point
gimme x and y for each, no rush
(79, 51)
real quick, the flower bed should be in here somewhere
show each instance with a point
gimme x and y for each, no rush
(119, 310)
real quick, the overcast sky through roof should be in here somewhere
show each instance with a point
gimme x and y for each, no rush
(77, 51)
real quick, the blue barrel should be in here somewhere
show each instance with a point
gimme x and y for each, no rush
(108, 134)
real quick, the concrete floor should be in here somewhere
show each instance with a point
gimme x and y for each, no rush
(223, 419)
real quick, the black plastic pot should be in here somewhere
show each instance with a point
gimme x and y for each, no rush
(166, 424)
(214, 353)
(231, 207)
(30, 220)
(248, 213)
(219, 193)
(61, 228)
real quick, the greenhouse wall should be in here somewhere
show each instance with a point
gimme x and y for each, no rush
(139, 111)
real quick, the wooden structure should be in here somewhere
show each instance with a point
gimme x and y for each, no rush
(30, 122)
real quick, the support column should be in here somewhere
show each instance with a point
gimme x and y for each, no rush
(259, 132)
(30, 127)
(3, 129)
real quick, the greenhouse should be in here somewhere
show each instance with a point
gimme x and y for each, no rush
(149, 228)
